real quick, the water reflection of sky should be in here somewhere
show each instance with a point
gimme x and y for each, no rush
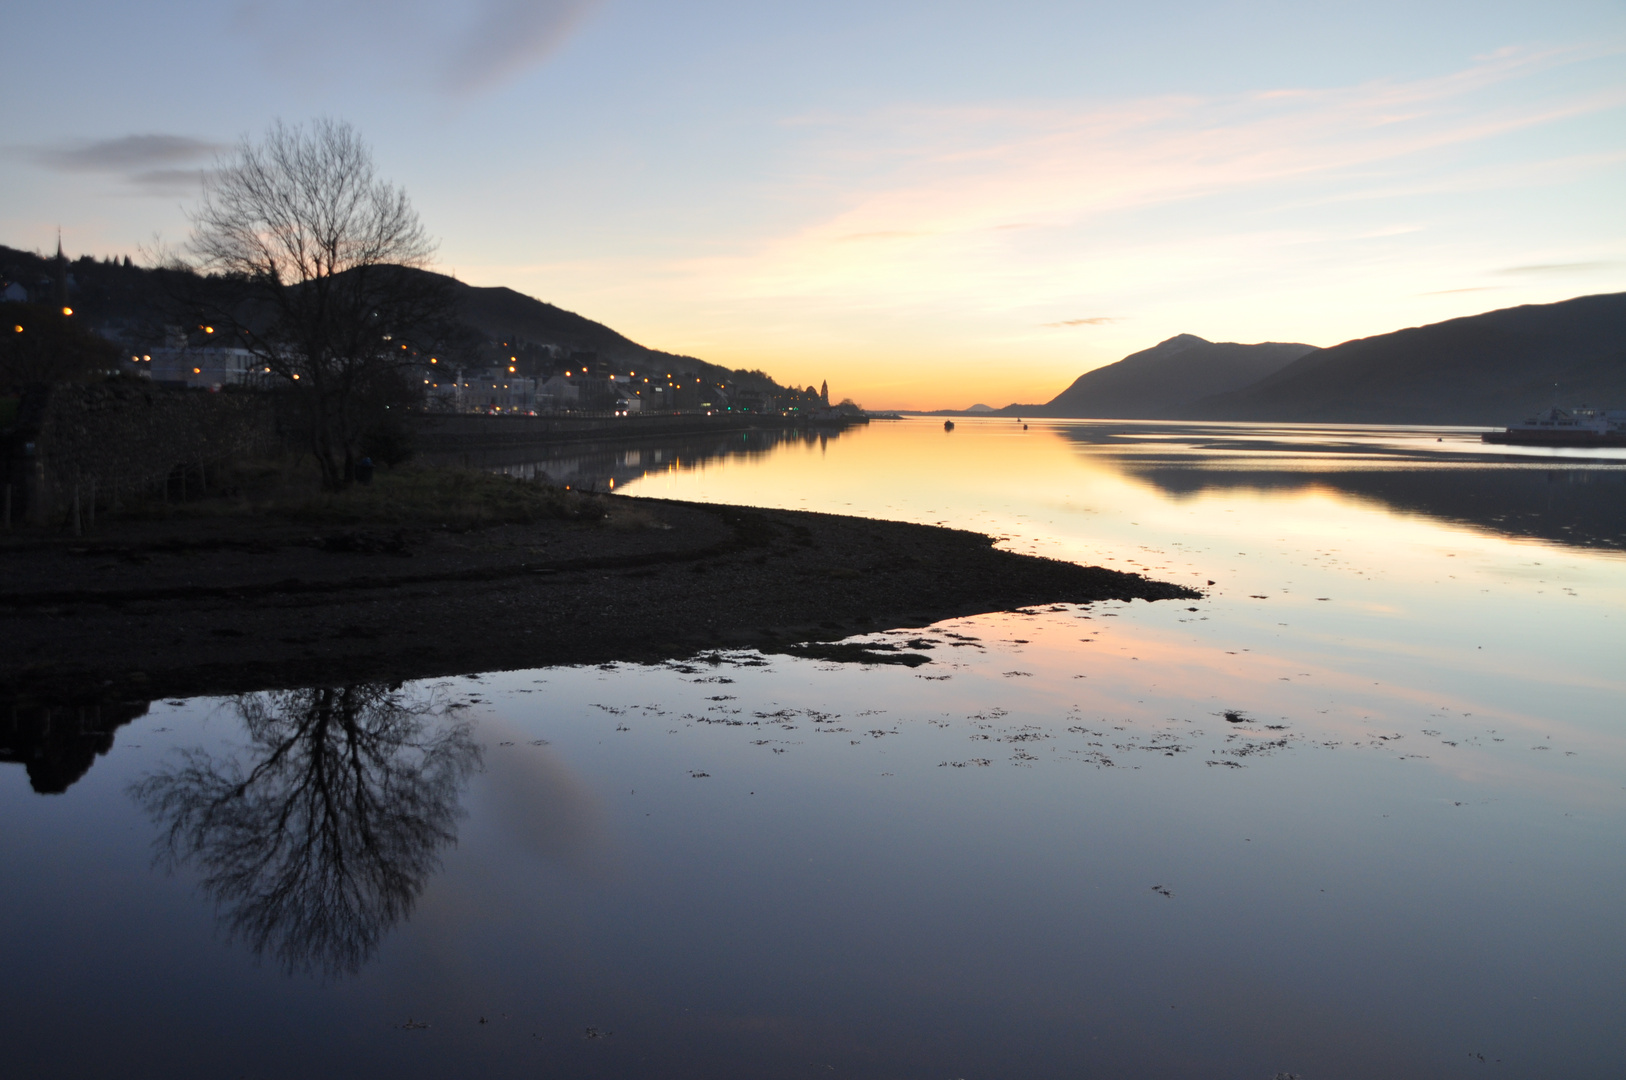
(1360, 813)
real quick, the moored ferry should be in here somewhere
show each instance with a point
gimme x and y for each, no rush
(1566, 427)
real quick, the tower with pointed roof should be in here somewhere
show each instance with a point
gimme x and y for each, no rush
(61, 275)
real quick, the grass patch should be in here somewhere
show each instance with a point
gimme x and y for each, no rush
(290, 490)
(459, 498)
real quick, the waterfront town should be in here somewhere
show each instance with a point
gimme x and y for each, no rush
(581, 368)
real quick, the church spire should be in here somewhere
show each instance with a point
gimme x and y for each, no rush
(61, 275)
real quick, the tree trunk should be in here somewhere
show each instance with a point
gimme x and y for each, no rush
(333, 472)
(323, 446)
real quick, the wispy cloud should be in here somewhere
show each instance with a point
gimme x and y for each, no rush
(1453, 292)
(169, 182)
(1094, 320)
(953, 179)
(129, 153)
(1557, 268)
(152, 164)
(463, 48)
(506, 37)
(893, 234)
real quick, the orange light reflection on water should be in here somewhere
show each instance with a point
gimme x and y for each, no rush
(1055, 668)
(1344, 612)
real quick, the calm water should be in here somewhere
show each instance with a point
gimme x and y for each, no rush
(1361, 812)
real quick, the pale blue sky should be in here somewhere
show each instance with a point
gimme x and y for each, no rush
(927, 204)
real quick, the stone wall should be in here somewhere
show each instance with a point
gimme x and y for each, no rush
(113, 441)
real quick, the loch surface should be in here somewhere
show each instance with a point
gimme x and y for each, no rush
(1360, 811)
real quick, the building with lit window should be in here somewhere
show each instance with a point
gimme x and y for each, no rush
(210, 366)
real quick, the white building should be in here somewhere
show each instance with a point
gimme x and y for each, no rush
(482, 392)
(209, 366)
(558, 393)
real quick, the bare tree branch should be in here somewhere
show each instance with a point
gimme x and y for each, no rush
(322, 261)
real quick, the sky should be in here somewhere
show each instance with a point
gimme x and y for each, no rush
(926, 204)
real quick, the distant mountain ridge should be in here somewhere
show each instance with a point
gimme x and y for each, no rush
(1481, 369)
(1485, 369)
(1158, 383)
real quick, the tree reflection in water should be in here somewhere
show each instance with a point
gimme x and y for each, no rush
(323, 840)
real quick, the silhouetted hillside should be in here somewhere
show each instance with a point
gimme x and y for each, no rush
(1157, 383)
(1482, 369)
(129, 303)
(501, 313)
(114, 296)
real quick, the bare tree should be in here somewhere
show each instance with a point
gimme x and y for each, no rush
(316, 266)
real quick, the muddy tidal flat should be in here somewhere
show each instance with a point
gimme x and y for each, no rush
(231, 605)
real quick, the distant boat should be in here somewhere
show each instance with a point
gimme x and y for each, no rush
(948, 425)
(1565, 427)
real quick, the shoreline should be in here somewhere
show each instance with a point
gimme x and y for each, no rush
(201, 607)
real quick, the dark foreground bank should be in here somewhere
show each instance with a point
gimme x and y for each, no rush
(218, 607)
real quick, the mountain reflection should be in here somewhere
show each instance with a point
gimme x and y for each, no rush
(322, 834)
(1583, 507)
(607, 464)
(1567, 503)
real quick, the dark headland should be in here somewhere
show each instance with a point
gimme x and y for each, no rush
(149, 609)
(1482, 369)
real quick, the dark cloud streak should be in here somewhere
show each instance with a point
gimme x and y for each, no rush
(152, 164)
(461, 49)
(129, 154)
(170, 181)
(509, 36)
